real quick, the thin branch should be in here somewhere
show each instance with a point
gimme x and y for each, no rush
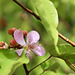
(41, 63)
(66, 39)
(28, 10)
(36, 16)
(17, 46)
(25, 68)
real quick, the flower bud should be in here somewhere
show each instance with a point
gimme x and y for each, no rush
(11, 31)
(13, 42)
(25, 33)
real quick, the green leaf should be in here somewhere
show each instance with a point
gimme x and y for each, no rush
(67, 53)
(37, 60)
(52, 73)
(69, 59)
(19, 71)
(66, 49)
(48, 63)
(9, 61)
(49, 18)
(53, 67)
(36, 71)
(47, 11)
(53, 64)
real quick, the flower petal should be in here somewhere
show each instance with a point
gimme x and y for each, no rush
(29, 54)
(39, 50)
(33, 37)
(19, 51)
(18, 35)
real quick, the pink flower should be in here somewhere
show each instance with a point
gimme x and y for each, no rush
(31, 45)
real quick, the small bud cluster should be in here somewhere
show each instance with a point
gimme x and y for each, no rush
(11, 32)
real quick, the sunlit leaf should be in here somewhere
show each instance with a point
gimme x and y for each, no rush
(49, 18)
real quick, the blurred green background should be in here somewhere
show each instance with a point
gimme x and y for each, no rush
(13, 16)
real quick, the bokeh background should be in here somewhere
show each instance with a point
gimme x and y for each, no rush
(12, 15)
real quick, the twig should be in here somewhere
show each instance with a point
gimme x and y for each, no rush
(25, 68)
(17, 46)
(28, 10)
(36, 16)
(41, 63)
(66, 39)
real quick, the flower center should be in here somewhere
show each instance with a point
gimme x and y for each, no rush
(26, 47)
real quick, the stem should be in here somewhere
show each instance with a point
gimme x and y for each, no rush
(40, 63)
(25, 68)
(36, 16)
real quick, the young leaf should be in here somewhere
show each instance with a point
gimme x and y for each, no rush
(49, 18)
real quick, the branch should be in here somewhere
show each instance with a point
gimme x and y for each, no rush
(36, 16)
(25, 68)
(28, 10)
(66, 39)
(17, 46)
(40, 63)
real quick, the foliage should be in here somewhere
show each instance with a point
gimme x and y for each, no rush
(56, 16)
